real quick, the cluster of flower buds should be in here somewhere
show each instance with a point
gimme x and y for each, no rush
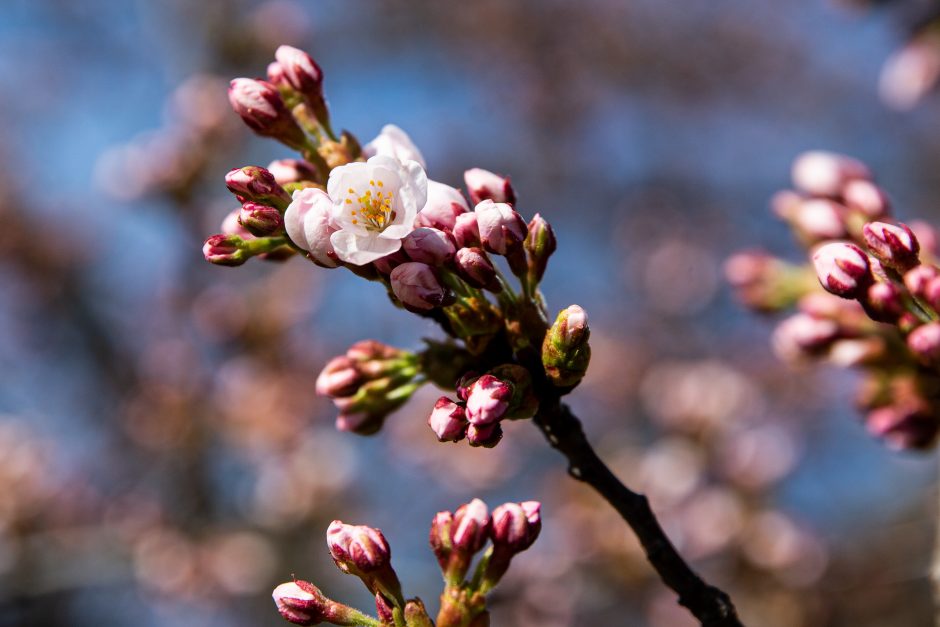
(374, 211)
(455, 538)
(882, 310)
(483, 401)
(368, 382)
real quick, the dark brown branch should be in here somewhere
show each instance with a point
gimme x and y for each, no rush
(710, 605)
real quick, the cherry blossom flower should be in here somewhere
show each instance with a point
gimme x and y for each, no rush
(374, 206)
(394, 142)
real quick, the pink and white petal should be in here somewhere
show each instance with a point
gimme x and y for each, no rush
(362, 250)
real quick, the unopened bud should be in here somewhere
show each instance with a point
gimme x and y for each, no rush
(903, 427)
(357, 549)
(254, 183)
(894, 245)
(884, 302)
(287, 171)
(474, 267)
(470, 528)
(911, 72)
(926, 236)
(339, 378)
(443, 206)
(260, 219)
(260, 106)
(826, 173)
(867, 198)
(516, 525)
(448, 420)
(843, 269)
(300, 71)
(819, 219)
(301, 603)
(416, 615)
(466, 230)
(485, 185)
(565, 350)
(428, 245)
(440, 537)
(486, 436)
(924, 342)
(803, 335)
(307, 222)
(524, 403)
(918, 278)
(540, 243)
(502, 230)
(856, 352)
(931, 293)
(224, 250)
(417, 286)
(488, 400)
(385, 265)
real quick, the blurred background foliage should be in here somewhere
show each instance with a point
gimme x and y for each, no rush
(163, 458)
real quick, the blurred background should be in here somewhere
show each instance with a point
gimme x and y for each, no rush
(163, 457)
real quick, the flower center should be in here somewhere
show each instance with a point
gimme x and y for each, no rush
(372, 208)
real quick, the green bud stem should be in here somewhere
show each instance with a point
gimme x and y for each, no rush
(261, 245)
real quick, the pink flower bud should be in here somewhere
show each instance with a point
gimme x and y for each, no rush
(803, 335)
(471, 527)
(444, 205)
(360, 423)
(903, 427)
(463, 384)
(931, 291)
(431, 246)
(260, 106)
(339, 378)
(300, 71)
(884, 302)
(843, 269)
(466, 230)
(231, 225)
(416, 285)
(256, 184)
(276, 75)
(516, 525)
(474, 267)
(501, 228)
(357, 549)
(292, 171)
(224, 250)
(826, 173)
(894, 245)
(916, 279)
(485, 185)
(260, 219)
(448, 420)
(924, 342)
(486, 436)
(867, 198)
(301, 603)
(488, 400)
(910, 73)
(926, 236)
(385, 265)
(440, 537)
(819, 219)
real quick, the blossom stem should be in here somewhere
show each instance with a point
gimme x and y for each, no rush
(710, 605)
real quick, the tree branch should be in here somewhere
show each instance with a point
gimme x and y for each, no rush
(710, 605)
